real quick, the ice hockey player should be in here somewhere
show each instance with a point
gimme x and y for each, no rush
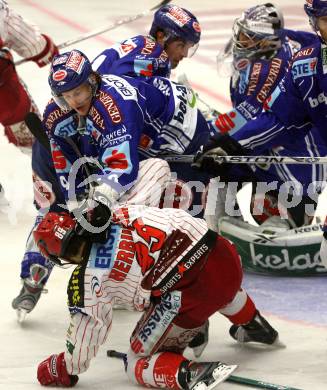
(292, 124)
(163, 262)
(175, 34)
(16, 34)
(124, 124)
(116, 120)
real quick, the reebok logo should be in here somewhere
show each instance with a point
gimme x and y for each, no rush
(321, 98)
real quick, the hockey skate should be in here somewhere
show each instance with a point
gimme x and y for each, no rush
(257, 330)
(31, 291)
(207, 375)
(200, 341)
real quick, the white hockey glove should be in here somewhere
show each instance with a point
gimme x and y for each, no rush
(142, 298)
(323, 249)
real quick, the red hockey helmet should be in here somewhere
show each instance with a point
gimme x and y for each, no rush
(56, 238)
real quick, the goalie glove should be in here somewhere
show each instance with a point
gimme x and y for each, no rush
(218, 145)
(53, 372)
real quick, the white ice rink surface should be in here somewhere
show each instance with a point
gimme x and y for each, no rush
(295, 307)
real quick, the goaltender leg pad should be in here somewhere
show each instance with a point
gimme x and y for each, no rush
(276, 251)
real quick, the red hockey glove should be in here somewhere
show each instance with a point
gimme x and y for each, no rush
(45, 57)
(52, 371)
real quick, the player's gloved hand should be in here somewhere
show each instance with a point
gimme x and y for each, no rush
(94, 215)
(47, 54)
(142, 298)
(52, 372)
(218, 145)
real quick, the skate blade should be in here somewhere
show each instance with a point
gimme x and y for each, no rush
(21, 315)
(278, 344)
(220, 374)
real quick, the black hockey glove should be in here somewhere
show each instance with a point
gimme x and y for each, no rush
(93, 218)
(218, 145)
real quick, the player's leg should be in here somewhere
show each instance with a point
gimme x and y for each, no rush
(35, 269)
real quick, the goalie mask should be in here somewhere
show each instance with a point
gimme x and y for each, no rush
(68, 71)
(255, 33)
(177, 24)
(58, 241)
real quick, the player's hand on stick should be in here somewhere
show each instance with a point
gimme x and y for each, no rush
(219, 145)
(53, 372)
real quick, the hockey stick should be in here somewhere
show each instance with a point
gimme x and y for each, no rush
(249, 159)
(34, 124)
(232, 378)
(112, 26)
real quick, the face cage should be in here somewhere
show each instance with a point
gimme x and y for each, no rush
(256, 49)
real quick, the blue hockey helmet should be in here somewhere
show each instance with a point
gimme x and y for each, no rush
(315, 9)
(259, 26)
(68, 71)
(176, 22)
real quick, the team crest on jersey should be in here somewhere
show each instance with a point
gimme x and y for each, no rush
(126, 47)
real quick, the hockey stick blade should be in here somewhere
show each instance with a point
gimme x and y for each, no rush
(232, 378)
(34, 124)
(259, 160)
(112, 26)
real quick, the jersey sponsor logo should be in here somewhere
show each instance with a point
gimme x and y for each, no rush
(162, 315)
(124, 256)
(101, 256)
(110, 106)
(304, 52)
(65, 128)
(55, 115)
(178, 16)
(304, 68)
(316, 101)
(96, 118)
(183, 102)
(149, 45)
(162, 85)
(308, 229)
(96, 287)
(254, 77)
(274, 70)
(143, 67)
(126, 47)
(116, 137)
(75, 62)
(117, 158)
(59, 75)
(75, 290)
(125, 89)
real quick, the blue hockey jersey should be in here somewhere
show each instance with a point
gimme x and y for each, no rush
(130, 118)
(137, 56)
